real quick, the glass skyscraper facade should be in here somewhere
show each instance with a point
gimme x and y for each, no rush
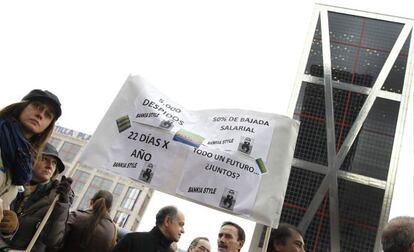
(351, 101)
(351, 98)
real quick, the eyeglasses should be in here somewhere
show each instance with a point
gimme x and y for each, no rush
(202, 248)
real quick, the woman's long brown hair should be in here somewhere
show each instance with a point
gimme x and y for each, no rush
(38, 141)
(101, 205)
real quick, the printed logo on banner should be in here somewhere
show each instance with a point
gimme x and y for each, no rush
(246, 145)
(166, 124)
(123, 123)
(147, 172)
(189, 138)
(228, 199)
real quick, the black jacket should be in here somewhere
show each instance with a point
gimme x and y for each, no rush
(31, 215)
(153, 241)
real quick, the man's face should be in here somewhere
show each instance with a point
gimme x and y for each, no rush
(294, 243)
(44, 169)
(228, 239)
(175, 226)
(202, 246)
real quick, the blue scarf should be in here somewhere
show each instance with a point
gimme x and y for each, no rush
(15, 152)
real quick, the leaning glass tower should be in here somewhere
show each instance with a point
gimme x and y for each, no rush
(351, 98)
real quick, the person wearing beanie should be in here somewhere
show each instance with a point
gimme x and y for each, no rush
(32, 204)
(25, 128)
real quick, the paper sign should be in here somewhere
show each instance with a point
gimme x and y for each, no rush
(228, 159)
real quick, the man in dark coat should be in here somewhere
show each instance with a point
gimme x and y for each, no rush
(168, 229)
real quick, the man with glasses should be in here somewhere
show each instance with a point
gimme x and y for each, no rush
(199, 244)
(398, 235)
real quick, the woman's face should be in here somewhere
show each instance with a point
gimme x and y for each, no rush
(35, 118)
(44, 169)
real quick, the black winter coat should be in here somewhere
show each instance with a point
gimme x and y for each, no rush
(33, 211)
(153, 241)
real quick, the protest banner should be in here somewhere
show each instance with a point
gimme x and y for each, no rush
(233, 160)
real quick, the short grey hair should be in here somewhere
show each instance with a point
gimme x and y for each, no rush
(170, 211)
(195, 242)
(397, 234)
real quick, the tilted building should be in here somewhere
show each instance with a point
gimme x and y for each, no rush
(351, 98)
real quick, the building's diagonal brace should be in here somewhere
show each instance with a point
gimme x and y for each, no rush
(330, 180)
(330, 131)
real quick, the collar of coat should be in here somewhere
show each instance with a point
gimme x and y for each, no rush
(163, 241)
(31, 195)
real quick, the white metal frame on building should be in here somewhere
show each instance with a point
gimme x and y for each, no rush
(332, 171)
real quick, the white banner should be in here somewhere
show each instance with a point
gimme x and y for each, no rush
(233, 160)
(220, 179)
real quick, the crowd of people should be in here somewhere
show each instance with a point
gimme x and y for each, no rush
(35, 205)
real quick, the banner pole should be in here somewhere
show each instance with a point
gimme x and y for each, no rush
(42, 224)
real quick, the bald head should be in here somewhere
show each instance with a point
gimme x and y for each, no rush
(170, 221)
(398, 235)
